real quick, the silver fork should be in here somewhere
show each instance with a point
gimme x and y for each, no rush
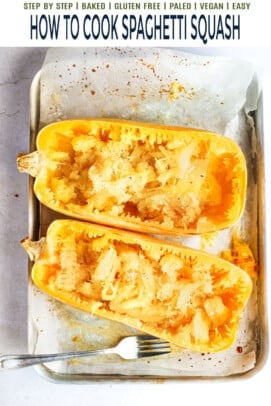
(128, 348)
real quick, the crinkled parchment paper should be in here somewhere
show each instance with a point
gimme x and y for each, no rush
(163, 86)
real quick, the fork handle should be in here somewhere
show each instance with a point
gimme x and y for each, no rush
(25, 360)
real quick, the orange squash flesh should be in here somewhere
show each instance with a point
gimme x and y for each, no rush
(241, 255)
(192, 299)
(139, 176)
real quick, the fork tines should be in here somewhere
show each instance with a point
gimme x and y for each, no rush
(150, 346)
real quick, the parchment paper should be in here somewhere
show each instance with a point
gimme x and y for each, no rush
(155, 85)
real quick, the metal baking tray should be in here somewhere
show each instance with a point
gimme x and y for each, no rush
(54, 327)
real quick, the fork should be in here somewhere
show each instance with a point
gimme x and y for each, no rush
(128, 348)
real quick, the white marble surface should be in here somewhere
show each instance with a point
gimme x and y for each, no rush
(25, 387)
(16, 71)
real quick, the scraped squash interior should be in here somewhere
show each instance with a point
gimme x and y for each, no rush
(171, 179)
(187, 297)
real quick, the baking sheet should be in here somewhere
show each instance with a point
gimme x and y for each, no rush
(169, 87)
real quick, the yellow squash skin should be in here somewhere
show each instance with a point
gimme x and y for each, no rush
(139, 176)
(192, 299)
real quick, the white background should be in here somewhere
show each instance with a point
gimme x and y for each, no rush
(15, 22)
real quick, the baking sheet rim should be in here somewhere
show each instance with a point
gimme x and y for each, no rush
(47, 373)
